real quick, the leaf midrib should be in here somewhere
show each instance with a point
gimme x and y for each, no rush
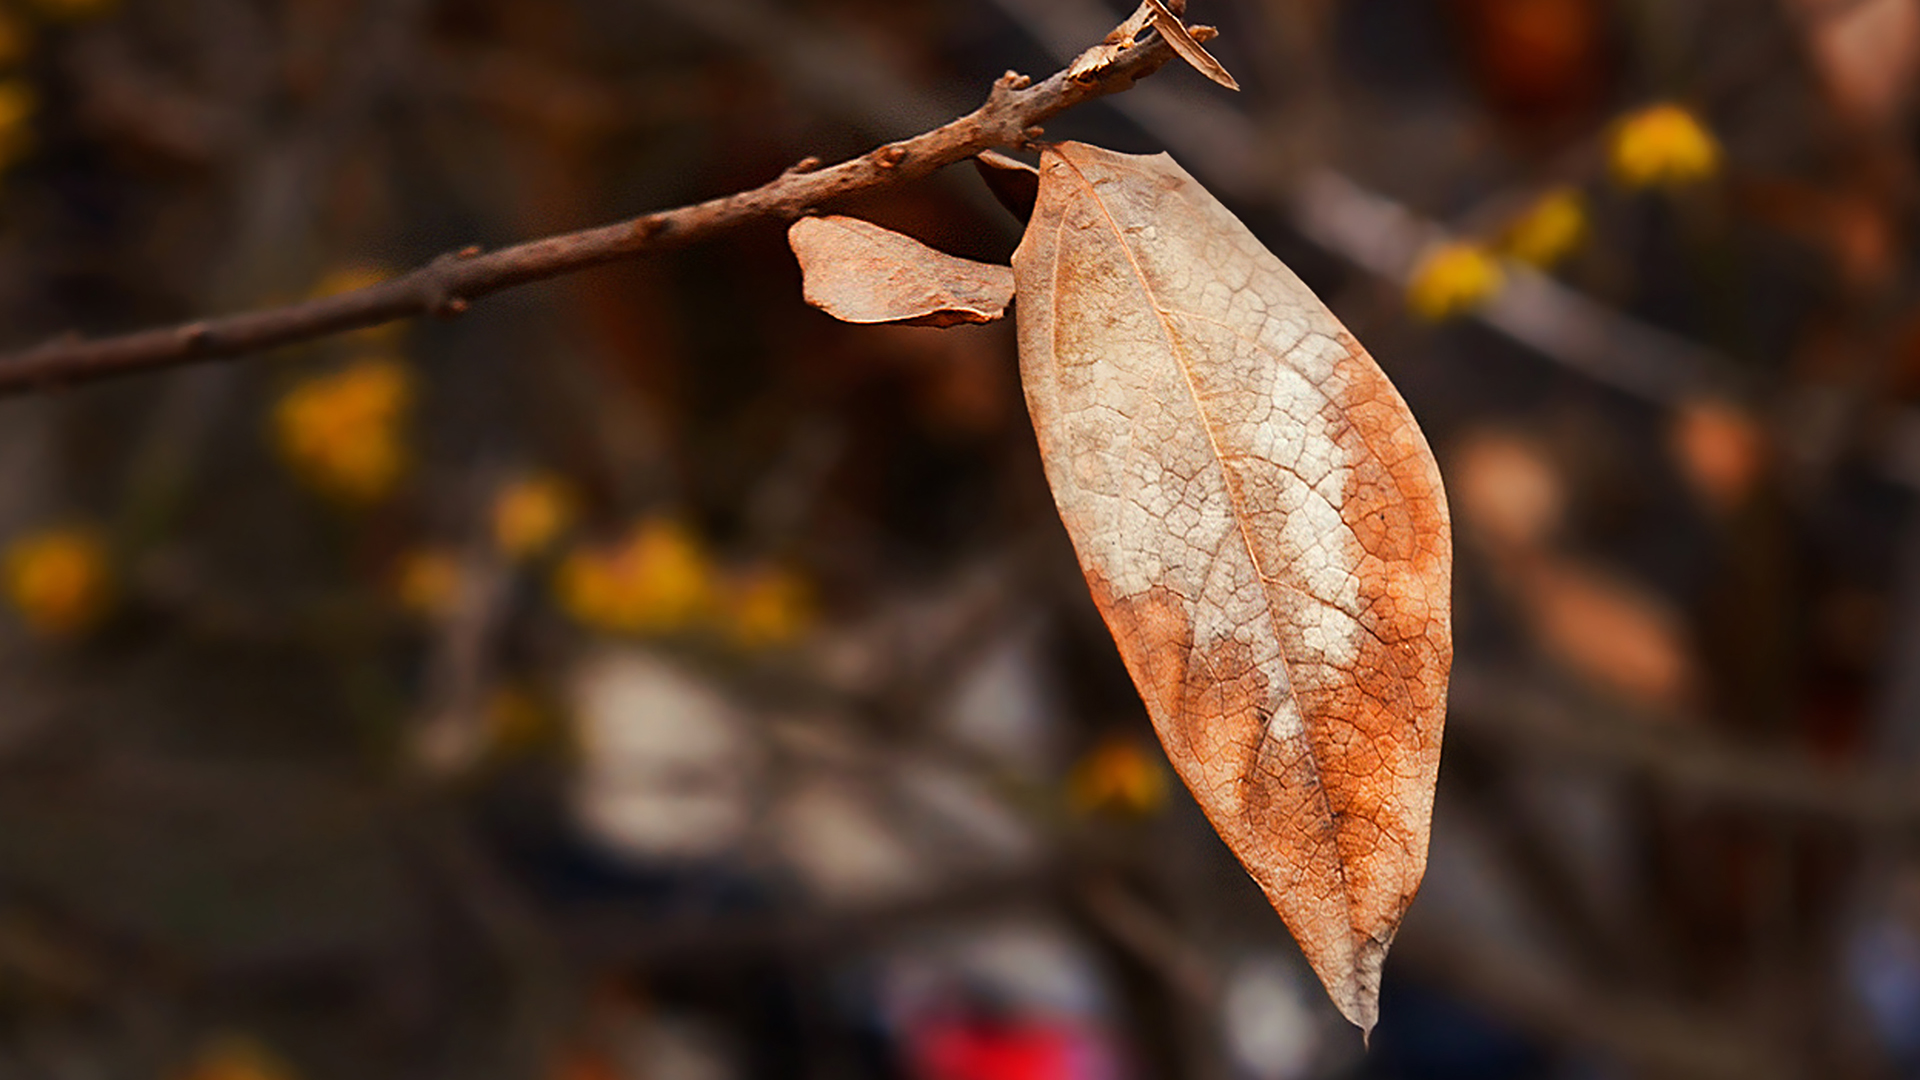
(1240, 516)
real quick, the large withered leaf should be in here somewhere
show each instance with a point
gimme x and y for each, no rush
(859, 272)
(1263, 526)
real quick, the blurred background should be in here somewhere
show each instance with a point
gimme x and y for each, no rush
(645, 677)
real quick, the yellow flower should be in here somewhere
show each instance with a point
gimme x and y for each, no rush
(17, 105)
(1452, 280)
(428, 582)
(659, 580)
(74, 10)
(236, 1058)
(59, 580)
(530, 513)
(1118, 776)
(342, 432)
(1664, 145)
(1550, 230)
(768, 607)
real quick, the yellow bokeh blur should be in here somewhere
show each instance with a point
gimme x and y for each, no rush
(530, 513)
(1553, 228)
(15, 39)
(516, 719)
(660, 579)
(236, 1058)
(343, 433)
(1454, 279)
(428, 582)
(350, 278)
(353, 277)
(17, 105)
(1119, 776)
(1662, 146)
(59, 580)
(767, 607)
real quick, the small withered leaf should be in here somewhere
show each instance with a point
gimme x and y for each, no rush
(1014, 183)
(1126, 32)
(1095, 60)
(1263, 527)
(859, 272)
(1118, 40)
(1186, 43)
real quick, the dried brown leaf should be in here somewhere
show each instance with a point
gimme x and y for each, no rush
(1263, 527)
(859, 272)
(1118, 40)
(1186, 43)
(1096, 59)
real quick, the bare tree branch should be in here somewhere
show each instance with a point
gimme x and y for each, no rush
(445, 287)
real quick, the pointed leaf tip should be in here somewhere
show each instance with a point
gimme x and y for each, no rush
(1187, 44)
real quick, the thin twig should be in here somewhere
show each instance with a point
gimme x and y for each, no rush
(446, 287)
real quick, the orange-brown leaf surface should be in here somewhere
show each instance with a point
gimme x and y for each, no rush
(1263, 527)
(859, 272)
